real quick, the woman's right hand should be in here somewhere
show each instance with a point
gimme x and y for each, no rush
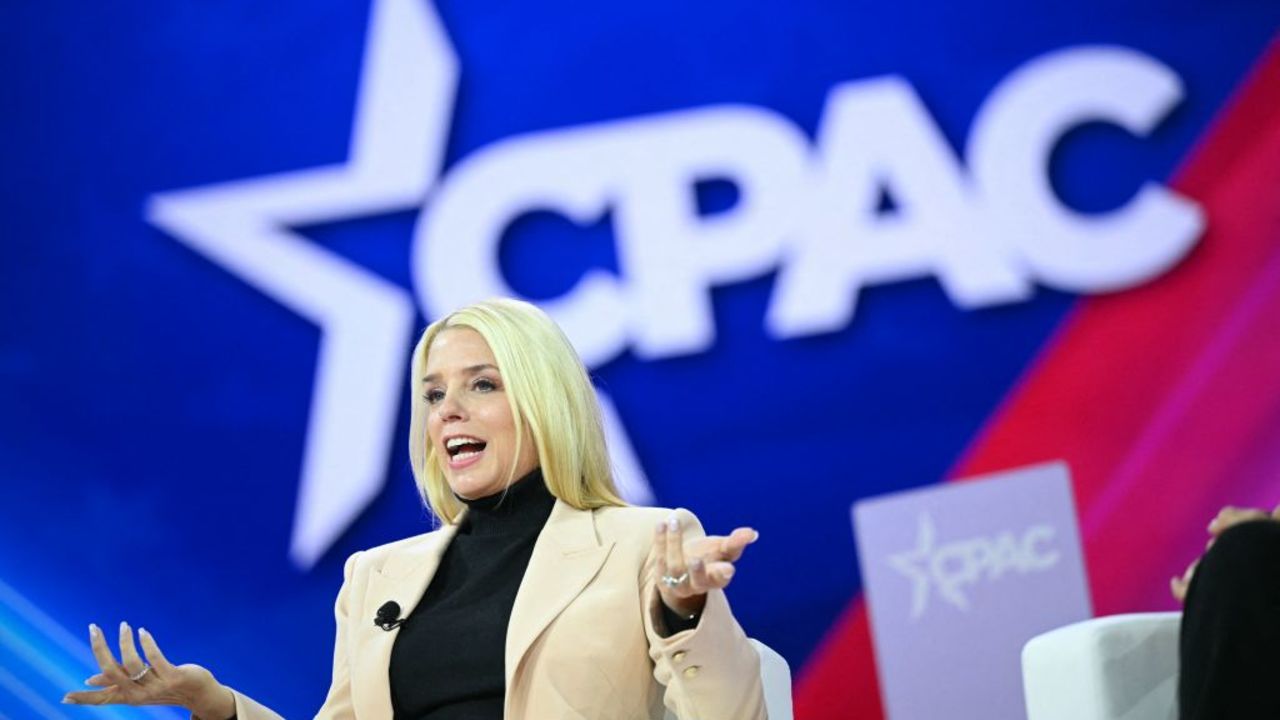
(154, 682)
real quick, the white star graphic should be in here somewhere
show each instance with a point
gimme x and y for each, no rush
(920, 565)
(910, 563)
(404, 107)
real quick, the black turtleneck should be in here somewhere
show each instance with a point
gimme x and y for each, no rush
(447, 662)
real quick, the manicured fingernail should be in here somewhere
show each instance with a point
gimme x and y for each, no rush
(143, 631)
(756, 536)
(124, 626)
(93, 630)
(68, 700)
(673, 523)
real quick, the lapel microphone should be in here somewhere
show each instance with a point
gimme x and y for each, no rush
(388, 617)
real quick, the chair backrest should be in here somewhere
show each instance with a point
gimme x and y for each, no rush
(775, 674)
(1122, 667)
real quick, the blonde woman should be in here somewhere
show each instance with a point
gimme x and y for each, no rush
(542, 595)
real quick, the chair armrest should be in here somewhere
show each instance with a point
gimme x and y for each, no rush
(776, 677)
(1109, 668)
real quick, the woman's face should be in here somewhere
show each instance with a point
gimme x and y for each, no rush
(469, 421)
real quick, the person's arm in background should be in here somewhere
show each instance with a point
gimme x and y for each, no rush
(1226, 518)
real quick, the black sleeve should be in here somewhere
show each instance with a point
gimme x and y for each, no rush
(675, 623)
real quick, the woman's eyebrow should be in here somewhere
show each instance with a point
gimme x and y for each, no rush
(433, 377)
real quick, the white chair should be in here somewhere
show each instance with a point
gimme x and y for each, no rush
(1123, 667)
(776, 676)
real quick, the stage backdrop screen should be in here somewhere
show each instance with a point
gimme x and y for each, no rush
(811, 253)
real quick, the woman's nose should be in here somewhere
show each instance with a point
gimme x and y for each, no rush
(451, 409)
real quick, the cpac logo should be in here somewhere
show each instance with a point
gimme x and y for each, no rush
(952, 567)
(989, 229)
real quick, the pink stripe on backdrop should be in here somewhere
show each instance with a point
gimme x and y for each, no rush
(1248, 323)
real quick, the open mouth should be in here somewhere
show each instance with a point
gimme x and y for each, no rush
(463, 448)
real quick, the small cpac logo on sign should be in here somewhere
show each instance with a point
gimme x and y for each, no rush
(960, 564)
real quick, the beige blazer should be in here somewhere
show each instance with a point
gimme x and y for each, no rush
(581, 641)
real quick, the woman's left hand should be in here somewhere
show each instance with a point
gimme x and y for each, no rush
(688, 570)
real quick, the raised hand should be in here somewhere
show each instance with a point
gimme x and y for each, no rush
(1230, 516)
(1226, 518)
(131, 681)
(688, 570)
(1179, 585)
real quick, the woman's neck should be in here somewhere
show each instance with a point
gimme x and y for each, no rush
(525, 502)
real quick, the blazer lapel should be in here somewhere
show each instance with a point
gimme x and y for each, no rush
(565, 558)
(403, 578)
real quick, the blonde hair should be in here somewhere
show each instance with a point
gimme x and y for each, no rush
(549, 392)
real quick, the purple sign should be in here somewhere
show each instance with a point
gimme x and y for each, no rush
(958, 577)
